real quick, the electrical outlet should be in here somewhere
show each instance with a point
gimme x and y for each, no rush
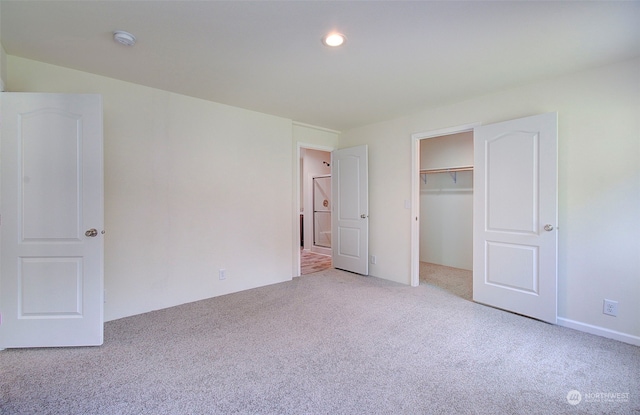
(610, 307)
(222, 274)
(372, 259)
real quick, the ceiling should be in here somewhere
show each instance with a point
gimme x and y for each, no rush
(267, 56)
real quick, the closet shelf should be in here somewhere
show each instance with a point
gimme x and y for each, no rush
(447, 170)
(451, 170)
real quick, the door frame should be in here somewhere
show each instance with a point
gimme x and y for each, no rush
(296, 270)
(415, 190)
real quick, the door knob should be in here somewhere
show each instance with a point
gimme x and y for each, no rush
(91, 233)
(548, 227)
(363, 216)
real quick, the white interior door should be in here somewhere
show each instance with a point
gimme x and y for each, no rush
(515, 216)
(51, 273)
(350, 216)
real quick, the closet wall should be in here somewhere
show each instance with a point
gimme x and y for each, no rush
(446, 201)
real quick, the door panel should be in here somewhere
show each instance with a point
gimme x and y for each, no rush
(512, 266)
(350, 216)
(512, 165)
(515, 196)
(51, 282)
(49, 287)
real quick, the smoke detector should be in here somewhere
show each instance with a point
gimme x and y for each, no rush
(124, 38)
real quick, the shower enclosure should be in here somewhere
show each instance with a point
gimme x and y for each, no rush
(322, 211)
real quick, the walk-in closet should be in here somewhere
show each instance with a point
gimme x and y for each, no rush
(446, 212)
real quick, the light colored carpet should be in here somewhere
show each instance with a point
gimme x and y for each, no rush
(455, 280)
(331, 343)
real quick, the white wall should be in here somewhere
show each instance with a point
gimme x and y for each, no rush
(599, 187)
(446, 220)
(3, 59)
(447, 151)
(310, 136)
(3, 68)
(3, 62)
(190, 187)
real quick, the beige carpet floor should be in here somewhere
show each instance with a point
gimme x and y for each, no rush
(457, 281)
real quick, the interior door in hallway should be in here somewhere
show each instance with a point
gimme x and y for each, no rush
(515, 216)
(51, 281)
(350, 213)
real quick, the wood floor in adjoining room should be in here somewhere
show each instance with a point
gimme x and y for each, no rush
(311, 262)
(455, 280)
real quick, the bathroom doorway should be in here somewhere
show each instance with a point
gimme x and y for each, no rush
(315, 210)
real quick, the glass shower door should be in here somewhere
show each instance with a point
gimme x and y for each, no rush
(322, 211)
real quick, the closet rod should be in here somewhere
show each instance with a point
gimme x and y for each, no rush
(449, 170)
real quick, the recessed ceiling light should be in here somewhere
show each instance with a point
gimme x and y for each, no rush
(124, 38)
(334, 39)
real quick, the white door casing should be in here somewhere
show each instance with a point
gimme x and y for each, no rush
(299, 186)
(515, 216)
(51, 274)
(415, 191)
(350, 213)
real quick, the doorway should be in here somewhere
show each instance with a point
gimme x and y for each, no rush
(446, 213)
(441, 180)
(314, 247)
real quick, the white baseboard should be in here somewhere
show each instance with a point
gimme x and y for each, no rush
(599, 331)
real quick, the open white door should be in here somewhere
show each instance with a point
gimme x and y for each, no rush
(350, 215)
(51, 274)
(515, 216)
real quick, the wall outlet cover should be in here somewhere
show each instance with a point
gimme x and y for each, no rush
(610, 308)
